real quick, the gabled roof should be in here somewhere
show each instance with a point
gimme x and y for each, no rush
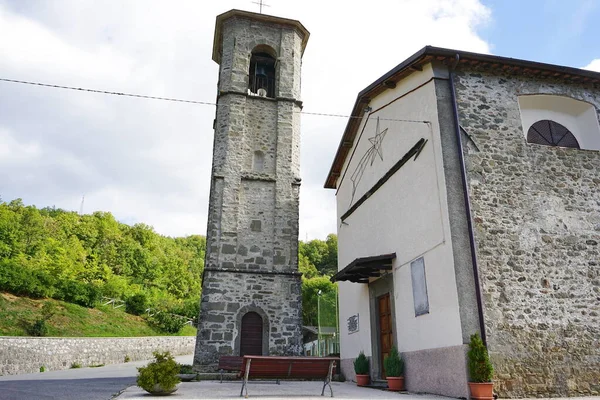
(256, 17)
(428, 54)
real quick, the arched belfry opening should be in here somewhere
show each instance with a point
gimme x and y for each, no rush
(251, 334)
(262, 72)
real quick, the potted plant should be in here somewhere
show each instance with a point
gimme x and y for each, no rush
(480, 370)
(186, 373)
(361, 368)
(159, 377)
(394, 367)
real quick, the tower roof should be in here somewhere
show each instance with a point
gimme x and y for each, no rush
(256, 17)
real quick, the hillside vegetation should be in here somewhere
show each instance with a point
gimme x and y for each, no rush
(19, 314)
(52, 253)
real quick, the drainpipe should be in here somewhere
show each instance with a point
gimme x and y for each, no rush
(467, 202)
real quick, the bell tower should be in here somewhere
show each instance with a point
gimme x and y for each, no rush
(251, 301)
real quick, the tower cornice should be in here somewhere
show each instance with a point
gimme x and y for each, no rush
(255, 17)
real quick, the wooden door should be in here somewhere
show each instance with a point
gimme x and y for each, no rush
(251, 335)
(386, 339)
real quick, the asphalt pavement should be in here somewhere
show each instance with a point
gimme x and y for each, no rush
(102, 383)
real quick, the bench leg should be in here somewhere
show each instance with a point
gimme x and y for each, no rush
(327, 381)
(245, 384)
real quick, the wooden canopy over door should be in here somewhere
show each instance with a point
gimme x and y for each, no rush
(386, 339)
(251, 336)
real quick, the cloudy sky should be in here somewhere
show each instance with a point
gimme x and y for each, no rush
(149, 161)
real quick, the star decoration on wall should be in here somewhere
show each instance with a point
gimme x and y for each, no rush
(369, 156)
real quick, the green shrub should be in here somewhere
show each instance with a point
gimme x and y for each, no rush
(38, 328)
(480, 368)
(394, 365)
(186, 369)
(127, 358)
(162, 372)
(42, 369)
(136, 304)
(168, 322)
(361, 364)
(75, 365)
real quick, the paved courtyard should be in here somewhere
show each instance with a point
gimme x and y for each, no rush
(272, 391)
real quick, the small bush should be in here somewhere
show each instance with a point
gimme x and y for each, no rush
(127, 358)
(168, 322)
(480, 368)
(161, 372)
(38, 328)
(136, 304)
(361, 364)
(394, 365)
(75, 365)
(42, 369)
(186, 369)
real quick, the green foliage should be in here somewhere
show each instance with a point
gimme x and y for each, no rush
(394, 365)
(361, 364)
(480, 367)
(42, 369)
(136, 304)
(127, 358)
(320, 254)
(311, 300)
(59, 254)
(38, 328)
(186, 369)
(75, 365)
(162, 372)
(168, 322)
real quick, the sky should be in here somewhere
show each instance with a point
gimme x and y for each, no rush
(149, 161)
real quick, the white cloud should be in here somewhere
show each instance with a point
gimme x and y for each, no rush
(149, 161)
(594, 65)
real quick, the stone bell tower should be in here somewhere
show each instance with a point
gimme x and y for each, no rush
(251, 300)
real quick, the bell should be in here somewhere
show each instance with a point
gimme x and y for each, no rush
(261, 70)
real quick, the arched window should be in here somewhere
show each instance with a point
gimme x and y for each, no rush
(262, 72)
(258, 163)
(551, 133)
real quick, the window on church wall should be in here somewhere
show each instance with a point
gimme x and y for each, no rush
(551, 133)
(261, 80)
(553, 120)
(419, 287)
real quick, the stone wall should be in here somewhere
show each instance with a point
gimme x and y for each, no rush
(536, 213)
(20, 355)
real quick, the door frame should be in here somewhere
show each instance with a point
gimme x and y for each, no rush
(379, 288)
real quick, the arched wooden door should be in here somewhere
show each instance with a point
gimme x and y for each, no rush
(251, 337)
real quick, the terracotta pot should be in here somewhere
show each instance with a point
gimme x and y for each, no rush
(482, 391)
(395, 383)
(362, 380)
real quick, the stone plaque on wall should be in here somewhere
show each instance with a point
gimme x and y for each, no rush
(353, 324)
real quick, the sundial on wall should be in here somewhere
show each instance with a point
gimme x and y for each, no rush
(369, 157)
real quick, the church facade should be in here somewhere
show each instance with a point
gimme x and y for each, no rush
(251, 300)
(467, 190)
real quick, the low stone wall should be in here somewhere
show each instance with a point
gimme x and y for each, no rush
(20, 355)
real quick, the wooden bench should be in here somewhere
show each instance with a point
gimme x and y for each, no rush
(271, 367)
(230, 363)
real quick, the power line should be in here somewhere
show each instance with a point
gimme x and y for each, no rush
(172, 99)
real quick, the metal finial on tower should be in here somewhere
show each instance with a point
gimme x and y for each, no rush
(261, 4)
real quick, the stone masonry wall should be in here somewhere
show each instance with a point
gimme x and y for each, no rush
(536, 212)
(21, 355)
(252, 235)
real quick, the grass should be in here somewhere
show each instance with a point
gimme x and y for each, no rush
(71, 320)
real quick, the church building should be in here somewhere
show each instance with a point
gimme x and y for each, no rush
(251, 301)
(468, 201)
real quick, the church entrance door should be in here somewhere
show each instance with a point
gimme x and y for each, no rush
(251, 336)
(385, 329)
